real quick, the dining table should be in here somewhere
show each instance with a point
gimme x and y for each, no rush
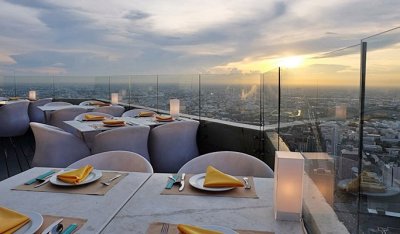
(54, 108)
(138, 202)
(98, 210)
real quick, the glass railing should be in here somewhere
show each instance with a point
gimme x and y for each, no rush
(348, 134)
(380, 200)
(227, 97)
(319, 118)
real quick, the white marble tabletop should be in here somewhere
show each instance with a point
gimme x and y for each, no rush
(98, 210)
(54, 108)
(148, 206)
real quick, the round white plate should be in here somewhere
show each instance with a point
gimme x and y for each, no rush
(391, 191)
(224, 230)
(33, 225)
(197, 181)
(93, 176)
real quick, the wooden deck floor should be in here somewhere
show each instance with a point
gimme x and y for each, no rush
(16, 155)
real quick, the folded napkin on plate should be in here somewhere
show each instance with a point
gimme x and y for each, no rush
(113, 122)
(164, 118)
(13, 98)
(11, 221)
(189, 229)
(215, 178)
(146, 114)
(75, 176)
(93, 117)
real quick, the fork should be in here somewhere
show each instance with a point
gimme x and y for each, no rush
(164, 228)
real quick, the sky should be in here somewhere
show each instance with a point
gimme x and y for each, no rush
(98, 37)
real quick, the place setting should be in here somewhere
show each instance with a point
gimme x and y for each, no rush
(211, 183)
(28, 222)
(84, 180)
(170, 228)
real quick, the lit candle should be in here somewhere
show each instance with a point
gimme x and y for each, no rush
(174, 107)
(289, 169)
(32, 95)
(114, 98)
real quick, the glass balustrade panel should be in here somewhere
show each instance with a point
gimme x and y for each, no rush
(319, 117)
(380, 168)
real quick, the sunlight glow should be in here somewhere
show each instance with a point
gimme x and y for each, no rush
(290, 62)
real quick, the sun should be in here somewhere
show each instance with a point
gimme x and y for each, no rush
(290, 62)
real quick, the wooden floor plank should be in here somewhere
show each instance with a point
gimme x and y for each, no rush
(16, 155)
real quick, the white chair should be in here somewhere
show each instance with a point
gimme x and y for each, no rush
(58, 117)
(230, 162)
(47, 113)
(82, 116)
(116, 161)
(133, 139)
(14, 119)
(135, 112)
(36, 114)
(111, 110)
(55, 147)
(173, 144)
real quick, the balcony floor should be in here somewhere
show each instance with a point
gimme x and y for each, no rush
(16, 155)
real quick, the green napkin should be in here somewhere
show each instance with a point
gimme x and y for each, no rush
(171, 182)
(41, 177)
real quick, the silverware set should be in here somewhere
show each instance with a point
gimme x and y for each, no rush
(54, 228)
(246, 183)
(180, 180)
(108, 182)
(164, 228)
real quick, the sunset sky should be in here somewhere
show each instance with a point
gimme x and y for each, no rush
(100, 37)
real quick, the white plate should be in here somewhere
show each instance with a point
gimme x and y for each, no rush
(197, 181)
(224, 230)
(33, 225)
(93, 176)
(390, 191)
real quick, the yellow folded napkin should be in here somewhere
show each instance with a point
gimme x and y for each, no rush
(11, 221)
(189, 229)
(93, 117)
(215, 178)
(13, 98)
(75, 176)
(164, 118)
(98, 103)
(146, 114)
(113, 122)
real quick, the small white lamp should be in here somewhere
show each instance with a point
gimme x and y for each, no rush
(32, 95)
(114, 98)
(341, 112)
(174, 105)
(289, 169)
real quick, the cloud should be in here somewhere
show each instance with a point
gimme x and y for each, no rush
(131, 37)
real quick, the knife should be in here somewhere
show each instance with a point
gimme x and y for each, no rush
(43, 183)
(182, 182)
(51, 226)
(70, 229)
(41, 177)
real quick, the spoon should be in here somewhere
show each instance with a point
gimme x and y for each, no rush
(246, 183)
